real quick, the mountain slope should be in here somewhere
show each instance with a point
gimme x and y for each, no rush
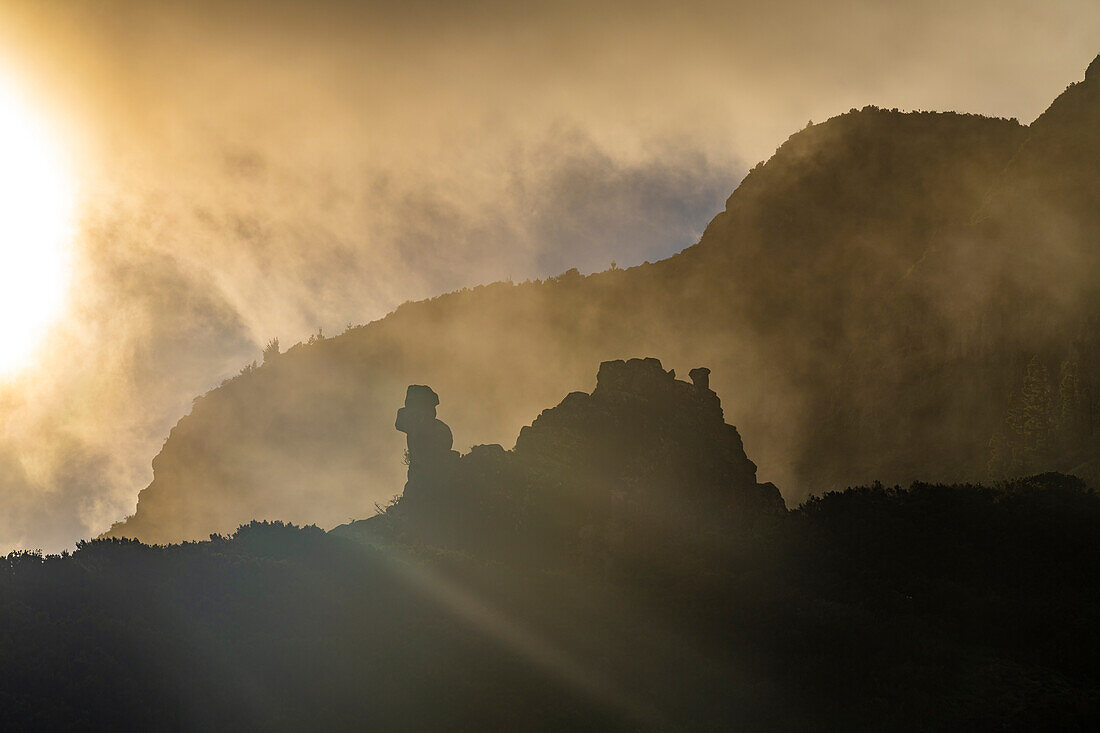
(868, 300)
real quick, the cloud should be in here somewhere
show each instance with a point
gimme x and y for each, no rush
(180, 285)
(256, 169)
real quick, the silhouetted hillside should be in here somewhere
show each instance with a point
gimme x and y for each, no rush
(870, 300)
(533, 589)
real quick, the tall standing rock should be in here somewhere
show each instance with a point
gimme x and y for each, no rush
(429, 441)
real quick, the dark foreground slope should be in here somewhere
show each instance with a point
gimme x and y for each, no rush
(473, 605)
(871, 300)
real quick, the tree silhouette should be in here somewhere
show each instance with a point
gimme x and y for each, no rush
(271, 350)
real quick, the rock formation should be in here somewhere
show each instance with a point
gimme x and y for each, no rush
(700, 377)
(429, 440)
(645, 463)
(651, 437)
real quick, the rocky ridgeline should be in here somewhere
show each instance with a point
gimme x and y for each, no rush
(645, 463)
(644, 431)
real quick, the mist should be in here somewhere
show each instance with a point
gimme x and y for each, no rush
(256, 170)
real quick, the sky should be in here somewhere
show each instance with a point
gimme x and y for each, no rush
(245, 170)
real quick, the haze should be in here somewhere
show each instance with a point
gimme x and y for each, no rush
(250, 170)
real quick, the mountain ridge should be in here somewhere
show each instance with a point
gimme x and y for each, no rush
(842, 296)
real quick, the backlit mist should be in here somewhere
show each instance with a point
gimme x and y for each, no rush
(248, 170)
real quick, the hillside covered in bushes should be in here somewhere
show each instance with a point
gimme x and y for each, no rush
(620, 569)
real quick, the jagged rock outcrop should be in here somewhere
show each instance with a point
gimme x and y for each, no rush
(700, 377)
(653, 438)
(644, 464)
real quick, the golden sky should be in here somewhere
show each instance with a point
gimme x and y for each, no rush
(247, 169)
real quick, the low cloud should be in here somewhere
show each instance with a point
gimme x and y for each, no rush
(256, 169)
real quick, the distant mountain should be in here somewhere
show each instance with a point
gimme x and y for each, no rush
(870, 300)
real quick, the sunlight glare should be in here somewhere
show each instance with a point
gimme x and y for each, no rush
(36, 203)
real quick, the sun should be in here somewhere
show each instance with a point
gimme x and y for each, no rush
(36, 208)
